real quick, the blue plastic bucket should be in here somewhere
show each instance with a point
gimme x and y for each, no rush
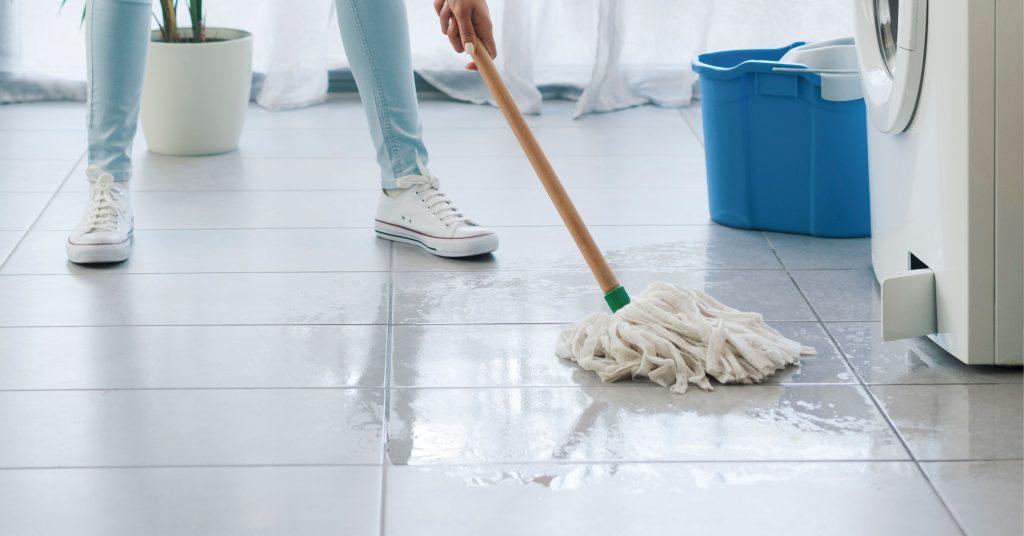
(779, 156)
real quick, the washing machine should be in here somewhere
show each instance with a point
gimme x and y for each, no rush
(942, 85)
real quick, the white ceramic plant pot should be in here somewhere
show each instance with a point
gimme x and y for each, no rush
(195, 94)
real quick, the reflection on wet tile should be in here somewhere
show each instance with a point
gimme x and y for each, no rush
(810, 252)
(232, 171)
(481, 356)
(841, 295)
(216, 250)
(463, 172)
(227, 501)
(637, 423)
(643, 248)
(153, 357)
(248, 209)
(809, 498)
(500, 207)
(485, 355)
(101, 299)
(985, 497)
(957, 422)
(916, 360)
(542, 296)
(827, 366)
(190, 427)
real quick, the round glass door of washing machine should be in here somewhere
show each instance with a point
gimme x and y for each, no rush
(890, 39)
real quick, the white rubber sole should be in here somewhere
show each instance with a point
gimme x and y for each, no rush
(442, 247)
(99, 253)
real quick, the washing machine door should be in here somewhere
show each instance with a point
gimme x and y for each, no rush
(890, 36)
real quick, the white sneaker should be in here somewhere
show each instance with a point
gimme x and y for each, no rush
(105, 232)
(424, 216)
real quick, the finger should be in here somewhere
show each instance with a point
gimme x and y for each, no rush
(438, 4)
(485, 31)
(453, 36)
(465, 20)
(471, 66)
(446, 18)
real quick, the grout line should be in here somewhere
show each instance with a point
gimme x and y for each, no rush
(388, 365)
(370, 227)
(87, 272)
(551, 386)
(207, 388)
(476, 464)
(657, 187)
(549, 462)
(42, 211)
(871, 396)
(186, 466)
(354, 324)
(692, 128)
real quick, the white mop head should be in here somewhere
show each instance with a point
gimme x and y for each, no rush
(676, 336)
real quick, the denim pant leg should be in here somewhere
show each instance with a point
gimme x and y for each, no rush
(376, 38)
(117, 37)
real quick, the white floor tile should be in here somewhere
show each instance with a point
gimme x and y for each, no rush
(543, 296)
(460, 172)
(232, 171)
(190, 427)
(827, 366)
(440, 112)
(810, 252)
(304, 143)
(985, 497)
(19, 210)
(638, 206)
(511, 355)
(220, 351)
(692, 115)
(42, 144)
(222, 250)
(33, 175)
(957, 422)
(8, 239)
(841, 295)
(481, 356)
(175, 357)
(642, 423)
(339, 111)
(811, 498)
(227, 501)
(192, 299)
(230, 210)
(43, 116)
(917, 360)
(643, 248)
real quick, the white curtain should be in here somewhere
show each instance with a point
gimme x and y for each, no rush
(607, 54)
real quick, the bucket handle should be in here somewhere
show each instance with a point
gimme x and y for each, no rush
(813, 71)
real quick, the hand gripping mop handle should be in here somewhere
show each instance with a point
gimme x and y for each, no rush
(614, 294)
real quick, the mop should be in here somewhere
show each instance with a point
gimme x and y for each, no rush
(672, 335)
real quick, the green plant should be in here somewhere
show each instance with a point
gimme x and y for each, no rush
(170, 32)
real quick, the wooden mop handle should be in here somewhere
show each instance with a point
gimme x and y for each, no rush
(598, 265)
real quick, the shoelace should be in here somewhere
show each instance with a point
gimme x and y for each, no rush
(427, 187)
(103, 203)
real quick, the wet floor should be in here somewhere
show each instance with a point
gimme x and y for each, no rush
(263, 364)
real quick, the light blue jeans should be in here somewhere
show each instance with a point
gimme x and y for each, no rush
(376, 38)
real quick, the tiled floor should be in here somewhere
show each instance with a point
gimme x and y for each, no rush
(264, 365)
